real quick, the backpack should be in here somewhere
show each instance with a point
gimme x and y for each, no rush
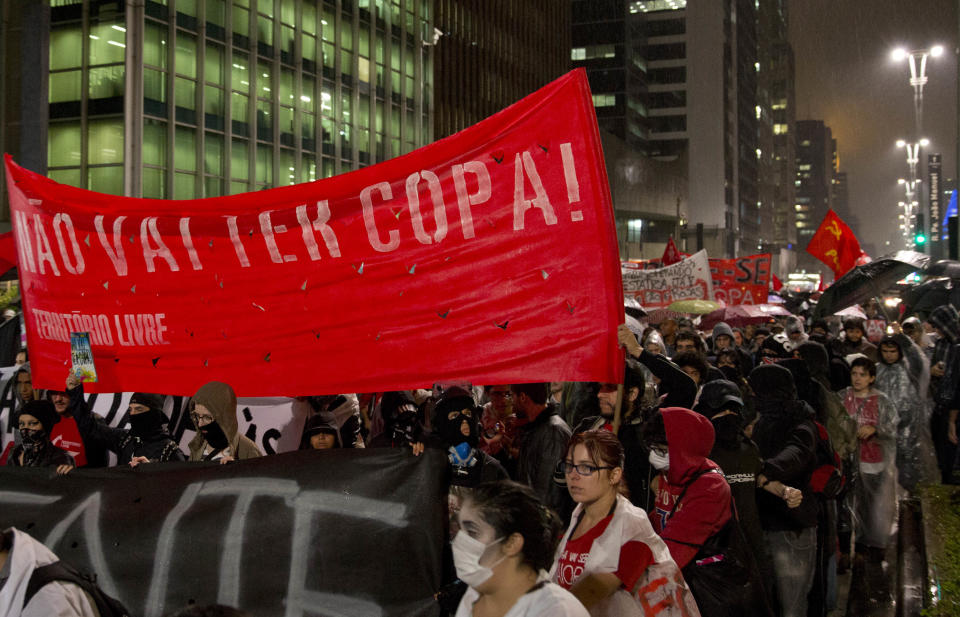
(60, 571)
(827, 478)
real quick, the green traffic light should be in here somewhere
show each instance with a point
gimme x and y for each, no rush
(920, 239)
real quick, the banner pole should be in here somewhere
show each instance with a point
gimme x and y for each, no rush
(617, 410)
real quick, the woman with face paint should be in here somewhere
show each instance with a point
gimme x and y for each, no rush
(610, 553)
(35, 420)
(505, 543)
(213, 410)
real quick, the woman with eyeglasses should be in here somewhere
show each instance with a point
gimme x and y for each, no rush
(213, 410)
(611, 559)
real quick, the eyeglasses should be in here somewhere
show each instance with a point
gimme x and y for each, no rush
(582, 469)
(201, 420)
(500, 395)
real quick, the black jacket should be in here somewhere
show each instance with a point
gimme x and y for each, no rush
(49, 456)
(787, 438)
(543, 444)
(679, 388)
(158, 446)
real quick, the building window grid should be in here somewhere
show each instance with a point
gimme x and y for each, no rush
(83, 174)
(185, 103)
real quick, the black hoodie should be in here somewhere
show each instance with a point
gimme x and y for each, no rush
(787, 438)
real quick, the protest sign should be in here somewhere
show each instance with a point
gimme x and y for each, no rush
(489, 256)
(355, 533)
(659, 288)
(743, 280)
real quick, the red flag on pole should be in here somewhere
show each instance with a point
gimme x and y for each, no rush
(776, 282)
(670, 254)
(835, 245)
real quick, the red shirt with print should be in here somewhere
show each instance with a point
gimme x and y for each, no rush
(66, 436)
(635, 557)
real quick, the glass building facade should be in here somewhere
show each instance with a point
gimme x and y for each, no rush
(179, 99)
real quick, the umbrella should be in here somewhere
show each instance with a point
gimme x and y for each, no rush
(694, 307)
(945, 267)
(661, 314)
(922, 299)
(852, 311)
(742, 314)
(869, 281)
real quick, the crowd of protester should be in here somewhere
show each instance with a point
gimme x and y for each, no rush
(747, 467)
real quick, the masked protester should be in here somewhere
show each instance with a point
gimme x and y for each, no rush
(786, 436)
(505, 544)
(610, 549)
(402, 424)
(213, 410)
(147, 439)
(457, 426)
(35, 420)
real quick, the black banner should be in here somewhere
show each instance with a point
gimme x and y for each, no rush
(352, 533)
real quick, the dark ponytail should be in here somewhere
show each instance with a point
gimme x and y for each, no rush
(511, 508)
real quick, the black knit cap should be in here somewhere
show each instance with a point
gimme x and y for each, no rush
(773, 382)
(151, 401)
(42, 410)
(719, 395)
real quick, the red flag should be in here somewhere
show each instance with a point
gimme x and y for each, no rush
(835, 245)
(777, 283)
(670, 254)
(8, 252)
(489, 256)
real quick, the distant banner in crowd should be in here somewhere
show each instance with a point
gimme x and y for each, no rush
(305, 533)
(743, 280)
(659, 288)
(275, 424)
(489, 256)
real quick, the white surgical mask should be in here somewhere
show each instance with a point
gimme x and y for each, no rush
(659, 462)
(467, 552)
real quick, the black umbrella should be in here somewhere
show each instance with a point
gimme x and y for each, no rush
(945, 267)
(923, 298)
(869, 281)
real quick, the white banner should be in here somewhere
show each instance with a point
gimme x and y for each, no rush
(275, 424)
(689, 279)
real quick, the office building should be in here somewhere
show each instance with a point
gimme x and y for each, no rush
(201, 98)
(814, 182)
(491, 53)
(683, 81)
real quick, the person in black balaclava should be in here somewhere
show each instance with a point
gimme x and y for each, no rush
(147, 439)
(35, 420)
(402, 425)
(457, 426)
(721, 402)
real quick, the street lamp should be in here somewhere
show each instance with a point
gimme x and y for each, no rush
(913, 153)
(918, 74)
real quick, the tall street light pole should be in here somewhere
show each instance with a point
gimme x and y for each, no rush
(918, 79)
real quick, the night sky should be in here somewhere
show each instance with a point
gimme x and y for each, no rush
(845, 76)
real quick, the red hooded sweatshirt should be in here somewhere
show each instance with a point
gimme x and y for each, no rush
(705, 507)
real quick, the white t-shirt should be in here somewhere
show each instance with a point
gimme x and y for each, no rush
(549, 601)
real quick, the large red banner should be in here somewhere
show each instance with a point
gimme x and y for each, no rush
(488, 256)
